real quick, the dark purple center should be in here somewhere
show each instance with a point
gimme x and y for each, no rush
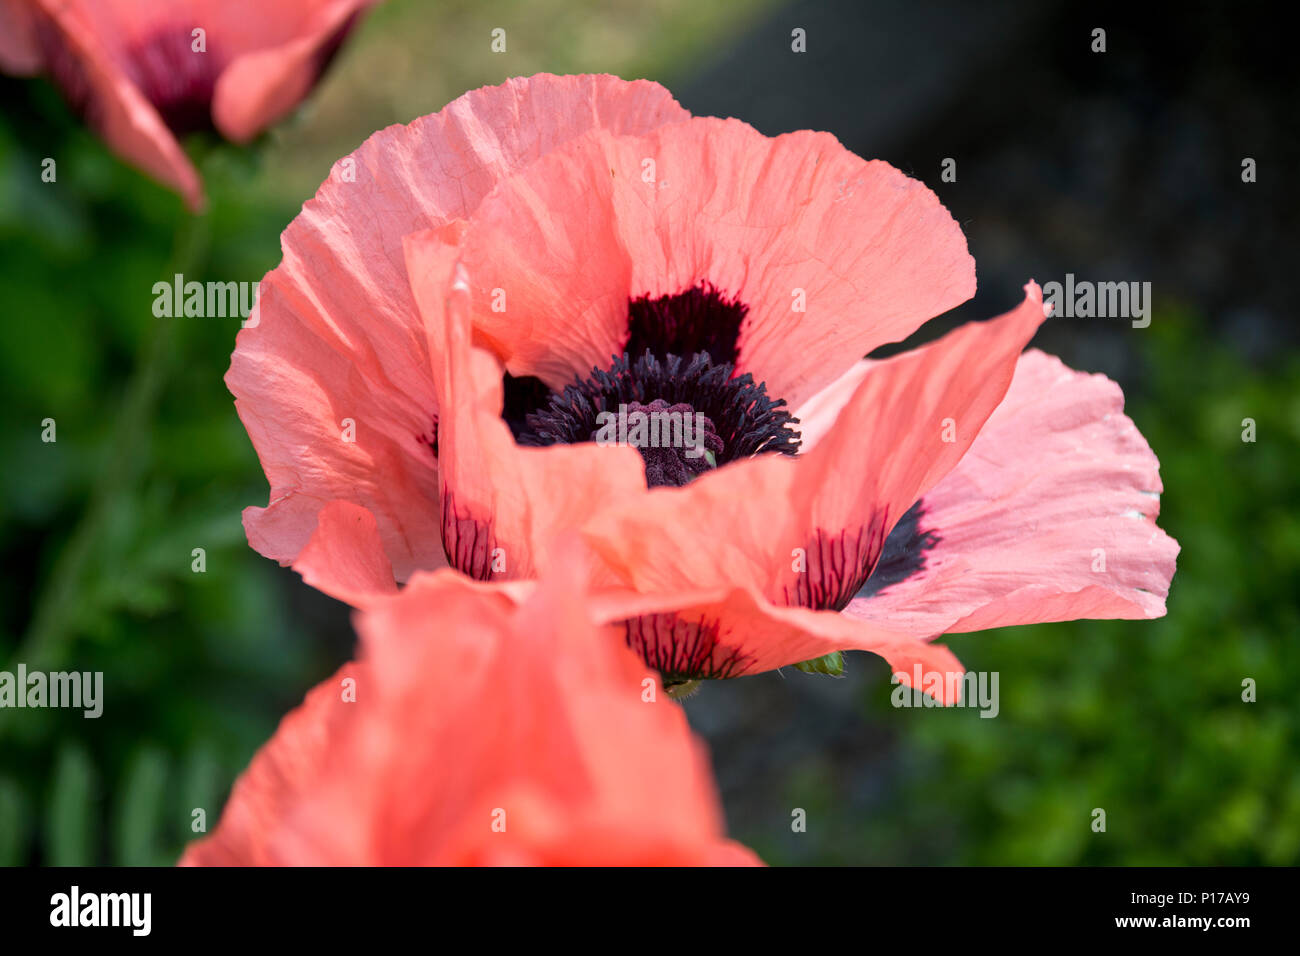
(700, 319)
(676, 442)
(680, 357)
(677, 371)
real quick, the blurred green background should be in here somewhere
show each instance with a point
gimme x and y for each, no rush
(1143, 719)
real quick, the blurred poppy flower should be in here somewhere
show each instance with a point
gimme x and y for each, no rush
(475, 730)
(144, 72)
(573, 245)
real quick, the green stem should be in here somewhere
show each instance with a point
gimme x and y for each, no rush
(48, 639)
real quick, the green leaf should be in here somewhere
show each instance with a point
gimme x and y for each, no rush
(13, 823)
(136, 828)
(70, 825)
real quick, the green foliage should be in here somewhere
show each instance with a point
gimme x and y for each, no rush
(99, 526)
(71, 822)
(1144, 719)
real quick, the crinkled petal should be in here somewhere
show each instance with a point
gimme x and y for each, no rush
(1049, 517)
(503, 505)
(832, 255)
(904, 427)
(345, 558)
(338, 334)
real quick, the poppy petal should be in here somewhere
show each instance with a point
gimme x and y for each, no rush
(337, 332)
(738, 632)
(345, 558)
(20, 51)
(502, 504)
(1049, 517)
(265, 794)
(114, 105)
(831, 255)
(259, 87)
(888, 446)
(906, 425)
(481, 731)
(818, 414)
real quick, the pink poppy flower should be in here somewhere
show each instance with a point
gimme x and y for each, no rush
(144, 72)
(475, 730)
(496, 276)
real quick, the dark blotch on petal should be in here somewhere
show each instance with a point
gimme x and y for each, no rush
(904, 553)
(835, 567)
(467, 541)
(861, 562)
(681, 649)
(701, 319)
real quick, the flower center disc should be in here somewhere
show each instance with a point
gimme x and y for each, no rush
(676, 442)
(685, 417)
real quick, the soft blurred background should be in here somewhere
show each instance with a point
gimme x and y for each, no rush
(1123, 166)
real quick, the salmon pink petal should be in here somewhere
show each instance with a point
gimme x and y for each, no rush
(904, 427)
(338, 334)
(718, 531)
(326, 432)
(345, 558)
(483, 732)
(827, 256)
(818, 414)
(738, 632)
(259, 87)
(95, 77)
(502, 505)
(730, 853)
(1049, 517)
(265, 794)
(20, 51)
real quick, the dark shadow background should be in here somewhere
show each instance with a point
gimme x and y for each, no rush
(1123, 165)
